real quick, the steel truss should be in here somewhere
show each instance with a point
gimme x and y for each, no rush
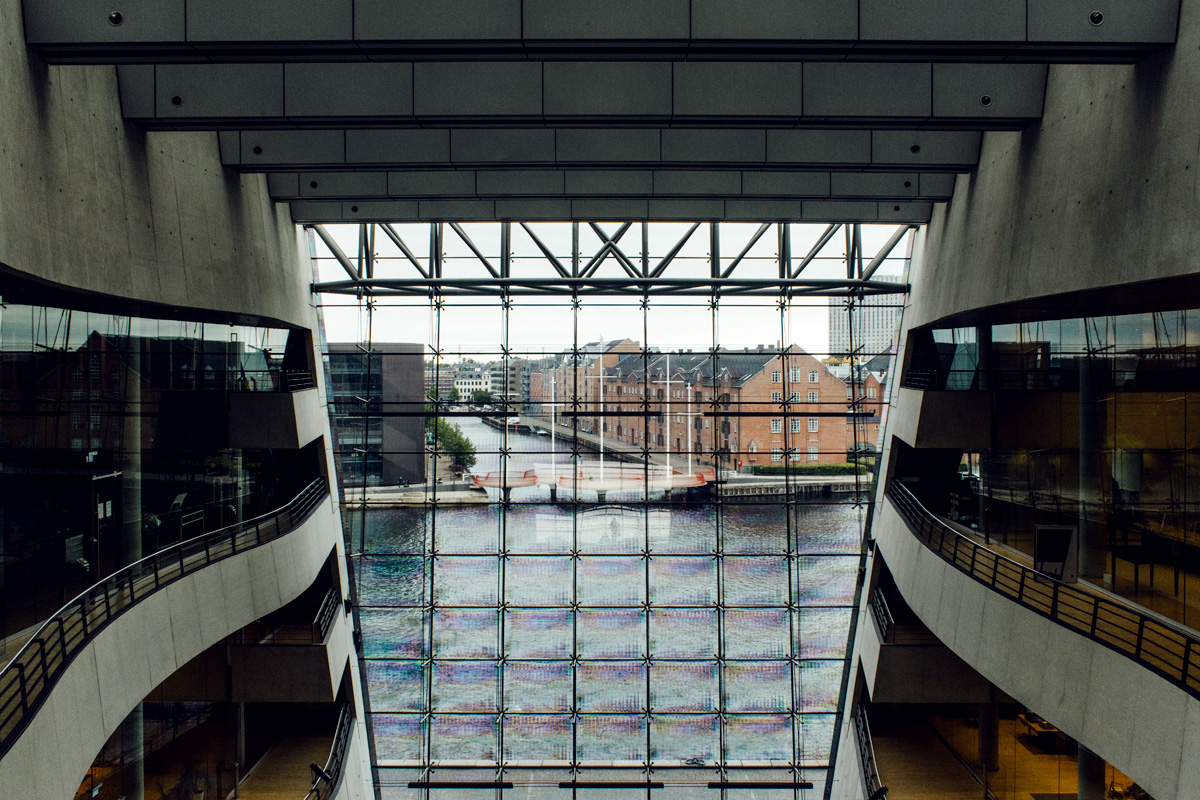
(576, 274)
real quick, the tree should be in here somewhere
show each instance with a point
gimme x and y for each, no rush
(454, 396)
(451, 441)
(481, 397)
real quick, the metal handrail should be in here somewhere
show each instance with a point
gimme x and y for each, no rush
(295, 633)
(326, 783)
(1165, 650)
(27, 680)
(883, 615)
(325, 614)
(866, 755)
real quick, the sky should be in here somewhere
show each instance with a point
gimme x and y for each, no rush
(473, 327)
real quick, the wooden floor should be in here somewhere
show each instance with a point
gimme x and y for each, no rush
(915, 764)
(1160, 596)
(283, 773)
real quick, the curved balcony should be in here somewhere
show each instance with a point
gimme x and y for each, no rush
(1121, 682)
(1165, 650)
(33, 674)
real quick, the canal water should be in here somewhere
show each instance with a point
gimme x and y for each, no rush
(639, 633)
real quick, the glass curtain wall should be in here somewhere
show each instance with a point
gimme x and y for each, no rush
(630, 553)
(114, 443)
(1091, 416)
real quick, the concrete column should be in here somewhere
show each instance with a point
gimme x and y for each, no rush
(131, 458)
(132, 745)
(983, 344)
(989, 733)
(1093, 538)
(1091, 775)
(240, 727)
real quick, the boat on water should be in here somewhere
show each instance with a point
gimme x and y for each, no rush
(541, 432)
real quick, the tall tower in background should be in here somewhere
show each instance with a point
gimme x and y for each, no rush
(875, 319)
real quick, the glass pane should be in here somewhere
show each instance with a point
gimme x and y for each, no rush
(756, 581)
(612, 529)
(754, 528)
(536, 738)
(818, 685)
(463, 737)
(392, 580)
(397, 530)
(683, 633)
(537, 634)
(611, 686)
(465, 634)
(683, 686)
(822, 632)
(465, 581)
(399, 634)
(760, 633)
(758, 686)
(398, 737)
(397, 685)
(691, 739)
(465, 685)
(758, 738)
(815, 737)
(617, 633)
(531, 581)
(539, 531)
(612, 739)
(826, 580)
(537, 686)
(612, 581)
(683, 581)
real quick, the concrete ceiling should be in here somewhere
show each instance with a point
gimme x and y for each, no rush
(814, 110)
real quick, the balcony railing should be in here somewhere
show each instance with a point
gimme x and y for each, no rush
(1160, 648)
(325, 782)
(28, 679)
(866, 756)
(883, 616)
(243, 380)
(294, 632)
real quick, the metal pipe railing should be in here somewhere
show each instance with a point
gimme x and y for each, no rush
(294, 633)
(28, 679)
(883, 616)
(326, 779)
(1165, 650)
(866, 756)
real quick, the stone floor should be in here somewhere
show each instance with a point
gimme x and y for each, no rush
(283, 773)
(926, 757)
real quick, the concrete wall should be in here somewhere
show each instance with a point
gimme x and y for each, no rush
(847, 778)
(897, 673)
(91, 203)
(146, 644)
(1138, 722)
(1103, 191)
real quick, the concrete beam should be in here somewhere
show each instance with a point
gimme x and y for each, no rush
(582, 184)
(507, 93)
(599, 148)
(356, 30)
(609, 208)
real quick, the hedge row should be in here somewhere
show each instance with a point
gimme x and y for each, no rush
(807, 469)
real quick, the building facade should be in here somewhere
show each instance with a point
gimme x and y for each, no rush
(377, 411)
